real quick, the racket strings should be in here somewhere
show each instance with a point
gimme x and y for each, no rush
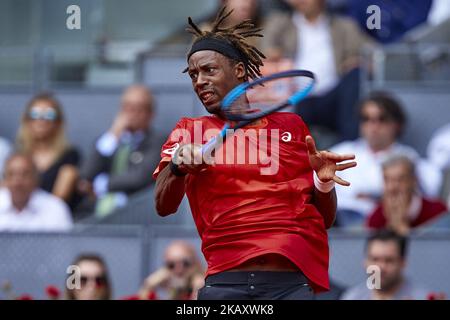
(266, 95)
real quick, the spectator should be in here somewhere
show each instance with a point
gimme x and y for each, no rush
(24, 207)
(402, 206)
(242, 10)
(5, 150)
(41, 135)
(121, 161)
(387, 251)
(94, 282)
(396, 18)
(381, 123)
(329, 46)
(180, 278)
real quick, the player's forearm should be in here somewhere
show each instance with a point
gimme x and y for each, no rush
(169, 192)
(326, 203)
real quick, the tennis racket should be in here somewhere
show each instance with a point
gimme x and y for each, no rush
(254, 100)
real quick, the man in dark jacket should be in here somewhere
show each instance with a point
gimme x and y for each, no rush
(123, 157)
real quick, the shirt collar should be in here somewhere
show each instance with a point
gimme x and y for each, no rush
(31, 206)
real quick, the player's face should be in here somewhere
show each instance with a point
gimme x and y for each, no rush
(213, 76)
(386, 255)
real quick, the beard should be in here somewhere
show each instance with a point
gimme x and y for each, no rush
(390, 283)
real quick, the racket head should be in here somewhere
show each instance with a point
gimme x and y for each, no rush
(253, 100)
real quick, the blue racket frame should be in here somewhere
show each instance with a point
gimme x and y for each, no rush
(239, 90)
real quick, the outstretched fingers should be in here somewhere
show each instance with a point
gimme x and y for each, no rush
(341, 181)
(338, 157)
(311, 145)
(344, 166)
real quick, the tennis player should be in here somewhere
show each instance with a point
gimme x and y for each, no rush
(263, 236)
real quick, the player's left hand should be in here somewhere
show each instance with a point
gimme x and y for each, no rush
(326, 163)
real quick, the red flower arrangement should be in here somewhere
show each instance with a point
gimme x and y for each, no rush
(151, 296)
(436, 296)
(52, 292)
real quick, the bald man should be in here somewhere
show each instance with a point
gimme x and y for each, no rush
(181, 276)
(26, 208)
(121, 160)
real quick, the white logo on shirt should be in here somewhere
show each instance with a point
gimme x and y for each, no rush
(286, 136)
(171, 151)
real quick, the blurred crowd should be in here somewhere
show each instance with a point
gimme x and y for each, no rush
(47, 184)
(181, 275)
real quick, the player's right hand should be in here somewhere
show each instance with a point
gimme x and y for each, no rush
(189, 158)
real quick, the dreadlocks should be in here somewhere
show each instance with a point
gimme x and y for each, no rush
(230, 41)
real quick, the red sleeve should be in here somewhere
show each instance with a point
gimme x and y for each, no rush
(179, 135)
(376, 219)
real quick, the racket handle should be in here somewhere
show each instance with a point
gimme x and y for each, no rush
(206, 148)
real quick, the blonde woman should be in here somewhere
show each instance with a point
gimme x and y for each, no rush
(41, 135)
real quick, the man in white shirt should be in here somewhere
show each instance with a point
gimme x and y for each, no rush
(315, 50)
(381, 123)
(24, 207)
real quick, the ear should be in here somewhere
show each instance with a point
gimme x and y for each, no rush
(239, 71)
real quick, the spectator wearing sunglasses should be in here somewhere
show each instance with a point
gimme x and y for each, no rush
(181, 276)
(94, 282)
(381, 124)
(41, 135)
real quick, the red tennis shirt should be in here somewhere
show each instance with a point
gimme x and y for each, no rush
(245, 208)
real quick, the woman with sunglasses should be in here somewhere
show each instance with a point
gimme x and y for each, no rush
(94, 283)
(41, 135)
